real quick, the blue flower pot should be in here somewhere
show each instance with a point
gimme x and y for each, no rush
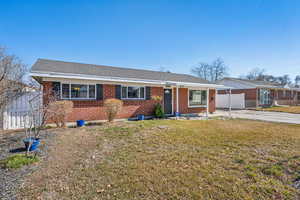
(80, 123)
(140, 117)
(177, 114)
(35, 143)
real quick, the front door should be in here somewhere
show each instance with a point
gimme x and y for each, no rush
(168, 101)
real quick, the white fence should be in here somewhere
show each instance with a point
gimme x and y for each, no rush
(237, 101)
(16, 114)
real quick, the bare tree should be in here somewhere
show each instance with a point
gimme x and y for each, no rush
(12, 71)
(219, 69)
(211, 72)
(256, 74)
(284, 80)
(297, 81)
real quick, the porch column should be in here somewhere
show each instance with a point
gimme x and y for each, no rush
(230, 103)
(207, 102)
(177, 99)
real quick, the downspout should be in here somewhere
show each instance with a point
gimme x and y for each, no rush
(177, 101)
(257, 93)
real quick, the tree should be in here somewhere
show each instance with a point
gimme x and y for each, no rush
(284, 80)
(256, 74)
(297, 81)
(211, 72)
(12, 72)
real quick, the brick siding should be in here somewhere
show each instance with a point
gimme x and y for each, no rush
(183, 102)
(94, 110)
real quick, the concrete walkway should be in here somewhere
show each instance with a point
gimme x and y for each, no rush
(261, 115)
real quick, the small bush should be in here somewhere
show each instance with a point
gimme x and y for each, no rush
(58, 111)
(112, 107)
(17, 161)
(158, 111)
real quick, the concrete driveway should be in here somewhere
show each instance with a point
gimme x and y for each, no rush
(262, 115)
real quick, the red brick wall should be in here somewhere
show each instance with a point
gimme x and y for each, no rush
(183, 102)
(93, 109)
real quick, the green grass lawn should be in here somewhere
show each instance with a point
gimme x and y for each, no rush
(289, 109)
(169, 159)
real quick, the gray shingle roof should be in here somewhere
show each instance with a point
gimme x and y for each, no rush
(45, 65)
(256, 83)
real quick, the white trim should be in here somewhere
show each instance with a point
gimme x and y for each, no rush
(197, 106)
(118, 79)
(133, 98)
(207, 102)
(70, 91)
(177, 99)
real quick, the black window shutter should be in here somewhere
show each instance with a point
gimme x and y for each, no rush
(148, 93)
(118, 91)
(56, 89)
(99, 91)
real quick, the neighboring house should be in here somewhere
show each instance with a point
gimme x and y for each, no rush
(261, 93)
(89, 85)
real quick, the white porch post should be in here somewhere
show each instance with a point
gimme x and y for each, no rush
(177, 99)
(230, 103)
(207, 102)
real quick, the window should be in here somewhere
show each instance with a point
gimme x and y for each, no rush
(133, 92)
(197, 98)
(78, 91)
(264, 96)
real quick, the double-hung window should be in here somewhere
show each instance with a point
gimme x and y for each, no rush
(197, 98)
(78, 91)
(133, 92)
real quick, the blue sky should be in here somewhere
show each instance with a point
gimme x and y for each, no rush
(152, 34)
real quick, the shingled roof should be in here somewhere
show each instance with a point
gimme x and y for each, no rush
(254, 83)
(53, 66)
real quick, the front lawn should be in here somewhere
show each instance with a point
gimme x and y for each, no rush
(168, 159)
(289, 109)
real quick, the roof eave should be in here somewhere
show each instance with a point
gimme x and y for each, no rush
(122, 80)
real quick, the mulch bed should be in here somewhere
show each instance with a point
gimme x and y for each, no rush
(10, 144)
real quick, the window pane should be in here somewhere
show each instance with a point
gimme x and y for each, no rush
(197, 98)
(78, 91)
(65, 90)
(133, 92)
(92, 91)
(142, 92)
(124, 92)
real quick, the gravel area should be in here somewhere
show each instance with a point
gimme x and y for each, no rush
(10, 144)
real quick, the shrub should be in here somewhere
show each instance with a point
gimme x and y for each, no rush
(112, 107)
(158, 111)
(58, 111)
(17, 161)
(157, 98)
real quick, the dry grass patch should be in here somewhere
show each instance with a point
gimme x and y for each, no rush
(289, 109)
(164, 159)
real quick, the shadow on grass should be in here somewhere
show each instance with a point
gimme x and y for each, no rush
(18, 150)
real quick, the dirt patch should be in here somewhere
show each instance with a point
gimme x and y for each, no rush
(11, 143)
